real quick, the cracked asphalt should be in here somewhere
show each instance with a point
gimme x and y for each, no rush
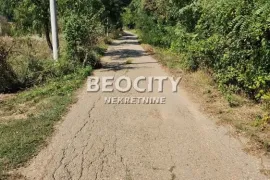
(98, 141)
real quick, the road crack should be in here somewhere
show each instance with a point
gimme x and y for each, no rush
(64, 151)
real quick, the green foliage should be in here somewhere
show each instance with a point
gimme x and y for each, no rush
(112, 12)
(81, 34)
(7, 8)
(82, 24)
(266, 100)
(23, 70)
(85, 22)
(128, 19)
(232, 37)
(33, 17)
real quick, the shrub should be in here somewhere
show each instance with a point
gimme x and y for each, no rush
(232, 37)
(21, 68)
(8, 78)
(81, 34)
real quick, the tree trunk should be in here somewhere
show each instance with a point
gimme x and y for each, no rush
(47, 35)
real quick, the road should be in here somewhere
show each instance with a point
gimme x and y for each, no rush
(98, 141)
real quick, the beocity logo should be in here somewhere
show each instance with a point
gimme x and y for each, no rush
(140, 84)
(110, 83)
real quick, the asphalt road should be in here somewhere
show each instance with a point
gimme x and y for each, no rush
(98, 141)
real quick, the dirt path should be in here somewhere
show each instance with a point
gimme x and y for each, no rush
(139, 142)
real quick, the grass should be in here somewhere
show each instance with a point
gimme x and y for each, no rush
(248, 117)
(40, 107)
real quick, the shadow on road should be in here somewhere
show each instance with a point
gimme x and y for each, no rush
(127, 39)
(117, 66)
(125, 43)
(119, 55)
(125, 53)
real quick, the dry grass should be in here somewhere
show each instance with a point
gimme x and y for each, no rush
(129, 61)
(21, 110)
(34, 45)
(148, 48)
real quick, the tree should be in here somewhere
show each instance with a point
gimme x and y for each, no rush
(7, 8)
(33, 16)
(113, 11)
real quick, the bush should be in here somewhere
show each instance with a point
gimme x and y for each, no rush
(21, 68)
(81, 34)
(8, 78)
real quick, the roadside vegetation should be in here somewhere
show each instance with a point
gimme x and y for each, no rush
(28, 118)
(223, 50)
(35, 91)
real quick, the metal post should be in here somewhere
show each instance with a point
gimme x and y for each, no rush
(54, 29)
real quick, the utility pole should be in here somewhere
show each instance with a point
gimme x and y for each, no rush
(54, 29)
